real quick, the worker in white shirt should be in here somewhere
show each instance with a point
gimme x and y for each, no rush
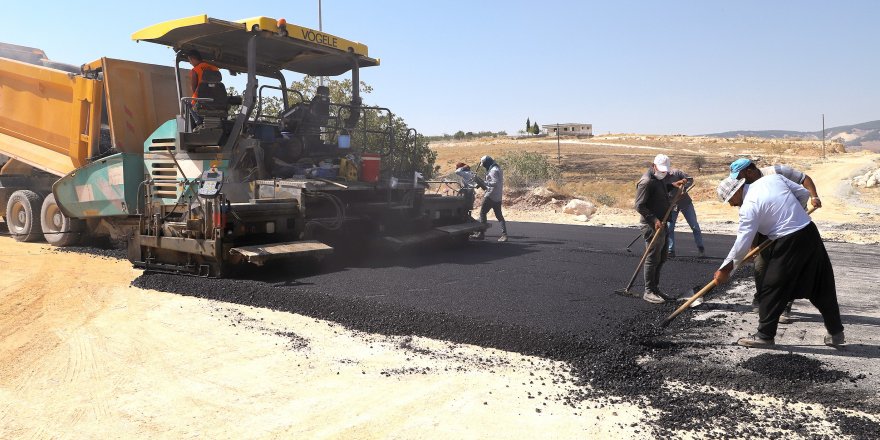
(743, 168)
(797, 264)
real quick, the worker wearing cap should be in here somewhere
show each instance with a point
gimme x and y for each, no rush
(492, 197)
(743, 168)
(797, 264)
(685, 206)
(652, 202)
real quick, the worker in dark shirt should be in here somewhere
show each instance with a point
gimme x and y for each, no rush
(652, 203)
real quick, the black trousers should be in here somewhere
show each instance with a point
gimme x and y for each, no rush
(797, 266)
(496, 207)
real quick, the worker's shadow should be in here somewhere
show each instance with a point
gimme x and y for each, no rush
(473, 253)
(863, 351)
(847, 319)
(469, 254)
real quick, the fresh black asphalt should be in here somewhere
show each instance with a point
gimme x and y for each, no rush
(547, 277)
(549, 292)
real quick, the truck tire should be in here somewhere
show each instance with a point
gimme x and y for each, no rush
(22, 215)
(59, 229)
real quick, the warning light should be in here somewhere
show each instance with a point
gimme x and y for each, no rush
(282, 27)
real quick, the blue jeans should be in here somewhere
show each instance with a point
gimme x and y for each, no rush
(690, 215)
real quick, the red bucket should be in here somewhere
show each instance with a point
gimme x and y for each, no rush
(370, 164)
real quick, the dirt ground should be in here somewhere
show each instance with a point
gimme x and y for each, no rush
(612, 165)
(85, 355)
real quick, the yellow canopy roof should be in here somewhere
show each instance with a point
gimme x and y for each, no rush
(224, 44)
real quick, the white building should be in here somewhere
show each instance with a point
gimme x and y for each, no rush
(570, 129)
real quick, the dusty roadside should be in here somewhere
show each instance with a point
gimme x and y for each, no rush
(847, 215)
(83, 354)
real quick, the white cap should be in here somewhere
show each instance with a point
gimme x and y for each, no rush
(662, 162)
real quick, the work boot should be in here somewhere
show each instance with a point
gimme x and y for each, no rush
(755, 341)
(478, 236)
(502, 238)
(835, 340)
(653, 298)
(701, 252)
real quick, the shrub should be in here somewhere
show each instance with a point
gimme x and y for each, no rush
(524, 169)
(606, 199)
(699, 163)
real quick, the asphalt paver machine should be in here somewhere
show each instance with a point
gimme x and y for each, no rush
(232, 180)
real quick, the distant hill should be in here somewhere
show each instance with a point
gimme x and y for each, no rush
(864, 136)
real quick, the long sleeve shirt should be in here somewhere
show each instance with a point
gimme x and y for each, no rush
(772, 206)
(671, 190)
(494, 183)
(652, 201)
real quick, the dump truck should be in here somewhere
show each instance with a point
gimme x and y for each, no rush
(203, 183)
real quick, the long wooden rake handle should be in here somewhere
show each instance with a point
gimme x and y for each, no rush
(712, 284)
(681, 192)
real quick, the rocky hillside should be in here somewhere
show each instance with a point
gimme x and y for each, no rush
(864, 136)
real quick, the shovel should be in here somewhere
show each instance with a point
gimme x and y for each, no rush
(625, 291)
(712, 284)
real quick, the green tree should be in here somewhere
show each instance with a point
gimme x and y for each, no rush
(403, 150)
(528, 125)
(459, 135)
(535, 128)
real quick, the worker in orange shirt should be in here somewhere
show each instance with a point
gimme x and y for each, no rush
(199, 67)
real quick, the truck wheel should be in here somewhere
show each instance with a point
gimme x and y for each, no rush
(59, 229)
(22, 210)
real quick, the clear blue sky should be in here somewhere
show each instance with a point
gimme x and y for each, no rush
(685, 67)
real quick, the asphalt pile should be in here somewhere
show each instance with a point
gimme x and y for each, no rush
(99, 247)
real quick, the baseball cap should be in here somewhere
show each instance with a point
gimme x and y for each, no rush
(739, 165)
(662, 162)
(728, 187)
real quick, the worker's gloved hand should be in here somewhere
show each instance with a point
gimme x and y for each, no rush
(657, 224)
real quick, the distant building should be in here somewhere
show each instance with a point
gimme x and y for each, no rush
(570, 129)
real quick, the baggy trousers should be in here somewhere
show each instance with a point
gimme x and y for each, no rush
(656, 257)
(797, 266)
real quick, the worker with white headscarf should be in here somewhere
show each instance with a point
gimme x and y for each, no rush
(492, 197)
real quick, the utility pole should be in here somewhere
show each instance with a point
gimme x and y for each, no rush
(823, 135)
(558, 151)
(321, 29)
